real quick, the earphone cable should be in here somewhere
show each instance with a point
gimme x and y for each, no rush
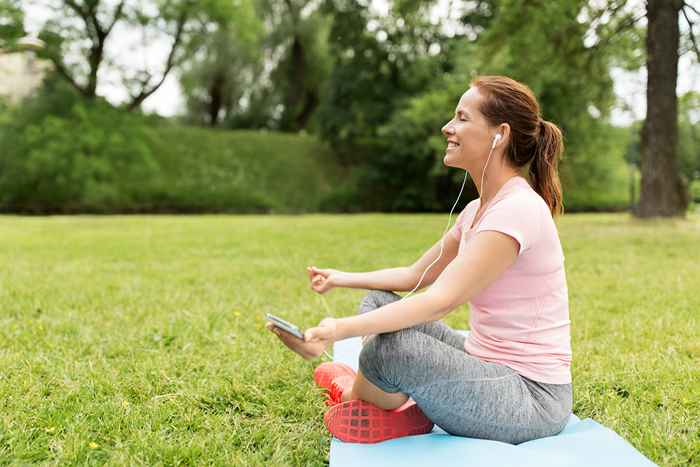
(442, 238)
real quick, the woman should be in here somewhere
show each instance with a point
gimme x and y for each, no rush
(509, 379)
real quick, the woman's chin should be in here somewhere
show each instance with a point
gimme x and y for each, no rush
(448, 160)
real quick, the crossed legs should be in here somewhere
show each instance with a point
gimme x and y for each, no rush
(364, 389)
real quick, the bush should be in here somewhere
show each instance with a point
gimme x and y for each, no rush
(407, 172)
(240, 171)
(62, 154)
(595, 176)
(695, 191)
(92, 159)
(344, 197)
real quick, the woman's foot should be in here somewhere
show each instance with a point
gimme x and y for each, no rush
(357, 421)
(341, 389)
(335, 377)
(326, 372)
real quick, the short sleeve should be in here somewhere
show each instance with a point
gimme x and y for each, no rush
(456, 230)
(517, 216)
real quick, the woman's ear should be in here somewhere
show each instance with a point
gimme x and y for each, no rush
(504, 131)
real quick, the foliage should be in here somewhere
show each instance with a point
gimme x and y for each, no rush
(390, 125)
(222, 65)
(11, 23)
(376, 88)
(600, 179)
(695, 190)
(688, 140)
(301, 40)
(689, 134)
(411, 150)
(240, 171)
(62, 153)
(262, 66)
(379, 63)
(93, 158)
(564, 52)
(78, 34)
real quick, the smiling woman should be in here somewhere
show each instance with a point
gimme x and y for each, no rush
(510, 380)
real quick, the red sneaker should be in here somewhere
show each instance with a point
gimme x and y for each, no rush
(326, 372)
(339, 385)
(358, 421)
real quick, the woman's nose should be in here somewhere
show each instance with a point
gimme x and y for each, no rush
(447, 129)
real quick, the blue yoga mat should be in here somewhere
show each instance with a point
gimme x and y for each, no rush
(583, 443)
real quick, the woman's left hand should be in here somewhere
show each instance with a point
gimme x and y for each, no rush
(315, 341)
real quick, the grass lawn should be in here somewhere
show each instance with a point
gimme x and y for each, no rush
(140, 340)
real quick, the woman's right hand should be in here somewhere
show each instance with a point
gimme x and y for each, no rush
(322, 280)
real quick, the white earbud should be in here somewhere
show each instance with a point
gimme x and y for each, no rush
(496, 139)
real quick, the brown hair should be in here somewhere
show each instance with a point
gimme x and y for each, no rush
(532, 139)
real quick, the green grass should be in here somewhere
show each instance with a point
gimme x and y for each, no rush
(140, 340)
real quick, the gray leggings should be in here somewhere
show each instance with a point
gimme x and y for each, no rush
(462, 394)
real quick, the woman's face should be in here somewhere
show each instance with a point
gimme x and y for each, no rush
(469, 136)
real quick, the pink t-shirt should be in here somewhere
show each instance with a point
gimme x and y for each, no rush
(522, 319)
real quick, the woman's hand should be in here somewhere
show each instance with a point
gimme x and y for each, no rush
(322, 280)
(325, 332)
(315, 339)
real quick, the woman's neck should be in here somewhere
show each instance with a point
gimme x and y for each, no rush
(493, 183)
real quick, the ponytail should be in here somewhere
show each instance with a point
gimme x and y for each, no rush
(533, 140)
(543, 169)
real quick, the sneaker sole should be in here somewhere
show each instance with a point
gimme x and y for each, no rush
(358, 421)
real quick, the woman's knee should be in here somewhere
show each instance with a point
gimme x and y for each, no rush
(384, 354)
(377, 298)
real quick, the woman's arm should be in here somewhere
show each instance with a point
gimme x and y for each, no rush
(403, 278)
(450, 246)
(484, 259)
(399, 279)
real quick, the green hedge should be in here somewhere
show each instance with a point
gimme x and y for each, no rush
(90, 157)
(93, 159)
(240, 171)
(695, 191)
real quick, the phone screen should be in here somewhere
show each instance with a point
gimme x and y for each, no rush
(285, 326)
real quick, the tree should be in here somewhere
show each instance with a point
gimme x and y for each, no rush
(262, 66)
(11, 23)
(223, 64)
(298, 35)
(378, 63)
(663, 191)
(563, 50)
(78, 31)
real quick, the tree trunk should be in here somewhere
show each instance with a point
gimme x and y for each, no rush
(310, 105)
(216, 98)
(663, 192)
(94, 61)
(296, 76)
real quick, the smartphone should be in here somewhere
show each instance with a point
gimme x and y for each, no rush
(285, 326)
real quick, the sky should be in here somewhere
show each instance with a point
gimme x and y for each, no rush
(630, 87)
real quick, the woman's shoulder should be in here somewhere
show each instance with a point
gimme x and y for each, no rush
(469, 208)
(521, 199)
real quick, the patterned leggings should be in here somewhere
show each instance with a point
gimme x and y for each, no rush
(462, 394)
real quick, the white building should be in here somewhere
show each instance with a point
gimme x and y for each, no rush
(21, 71)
